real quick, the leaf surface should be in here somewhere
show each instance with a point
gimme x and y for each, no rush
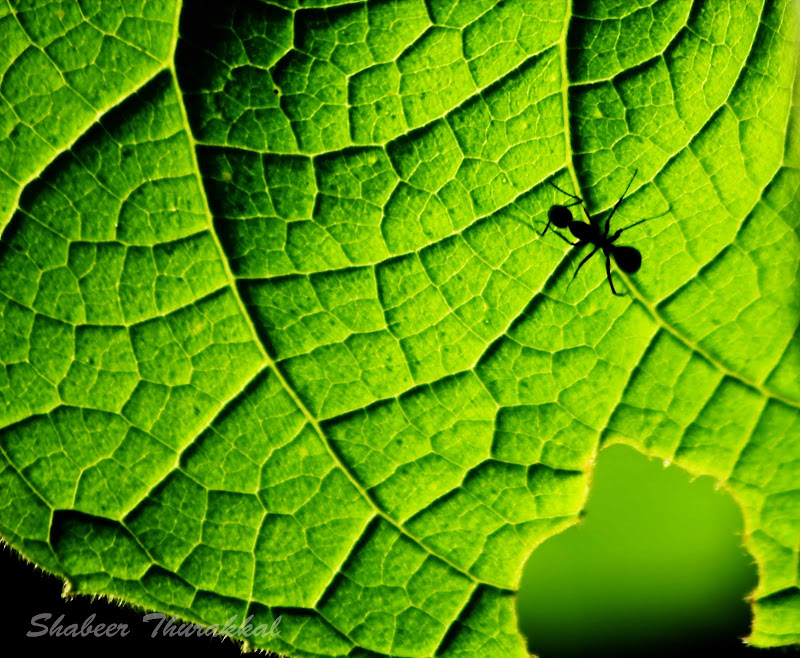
(279, 336)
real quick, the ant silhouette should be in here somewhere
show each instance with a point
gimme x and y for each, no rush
(628, 259)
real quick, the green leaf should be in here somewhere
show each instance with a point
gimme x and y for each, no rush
(279, 336)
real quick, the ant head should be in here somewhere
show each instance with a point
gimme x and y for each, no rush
(628, 258)
(559, 216)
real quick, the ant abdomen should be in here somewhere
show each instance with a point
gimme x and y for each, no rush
(628, 258)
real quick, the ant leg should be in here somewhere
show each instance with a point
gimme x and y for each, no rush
(608, 273)
(616, 205)
(564, 239)
(578, 269)
(641, 221)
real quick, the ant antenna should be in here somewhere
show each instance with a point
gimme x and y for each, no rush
(578, 201)
(565, 192)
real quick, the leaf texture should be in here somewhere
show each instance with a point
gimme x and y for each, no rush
(279, 336)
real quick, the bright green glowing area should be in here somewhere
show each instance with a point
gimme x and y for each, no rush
(656, 561)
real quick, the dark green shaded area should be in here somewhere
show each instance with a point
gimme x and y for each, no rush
(656, 565)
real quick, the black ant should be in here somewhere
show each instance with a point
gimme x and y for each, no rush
(628, 259)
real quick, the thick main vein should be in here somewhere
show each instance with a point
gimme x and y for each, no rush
(310, 417)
